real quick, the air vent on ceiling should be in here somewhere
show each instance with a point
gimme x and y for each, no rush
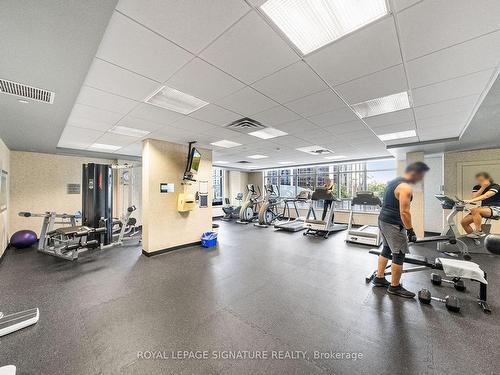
(321, 151)
(246, 125)
(243, 162)
(25, 91)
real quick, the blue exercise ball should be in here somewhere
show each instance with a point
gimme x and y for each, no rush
(23, 239)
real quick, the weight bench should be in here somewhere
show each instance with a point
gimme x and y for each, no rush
(451, 267)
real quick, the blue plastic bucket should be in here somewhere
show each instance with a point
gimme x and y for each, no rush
(209, 239)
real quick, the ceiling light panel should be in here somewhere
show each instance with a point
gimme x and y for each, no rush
(268, 133)
(311, 24)
(102, 146)
(286, 162)
(131, 132)
(175, 100)
(258, 157)
(397, 135)
(335, 157)
(225, 143)
(386, 104)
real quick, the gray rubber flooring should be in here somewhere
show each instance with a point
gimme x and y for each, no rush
(260, 290)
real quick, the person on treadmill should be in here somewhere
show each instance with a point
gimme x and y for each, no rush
(328, 186)
(486, 192)
(396, 228)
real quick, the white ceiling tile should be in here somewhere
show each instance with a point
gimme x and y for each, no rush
(104, 100)
(137, 123)
(192, 24)
(73, 137)
(333, 118)
(406, 115)
(275, 116)
(321, 102)
(403, 141)
(363, 52)
(296, 126)
(204, 81)
(432, 25)
(132, 46)
(347, 127)
(156, 114)
(256, 3)
(134, 149)
(215, 115)
(288, 140)
(376, 85)
(290, 83)
(84, 116)
(399, 5)
(116, 139)
(246, 102)
(111, 78)
(394, 128)
(192, 124)
(454, 88)
(455, 61)
(465, 104)
(250, 50)
(455, 120)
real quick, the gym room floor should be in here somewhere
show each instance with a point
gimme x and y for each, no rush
(259, 290)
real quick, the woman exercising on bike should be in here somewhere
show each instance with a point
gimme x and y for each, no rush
(486, 192)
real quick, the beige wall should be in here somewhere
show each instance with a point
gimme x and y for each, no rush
(38, 184)
(163, 226)
(4, 216)
(459, 170)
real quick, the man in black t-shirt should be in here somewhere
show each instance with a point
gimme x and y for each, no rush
(486, 192)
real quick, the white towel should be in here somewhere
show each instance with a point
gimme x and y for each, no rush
(463, 269)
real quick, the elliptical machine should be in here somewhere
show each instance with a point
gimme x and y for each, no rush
(268, 212)
(232, 212)
(250, 207)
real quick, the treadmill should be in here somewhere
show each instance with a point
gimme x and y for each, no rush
(323, 227)
(365, 234)
(297, 224)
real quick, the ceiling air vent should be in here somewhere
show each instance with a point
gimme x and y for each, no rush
(243, 162)
(25, 91)
(315, 150)
(245, 125)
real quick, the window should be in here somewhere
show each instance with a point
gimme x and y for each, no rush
(348, 178)
(218, 186)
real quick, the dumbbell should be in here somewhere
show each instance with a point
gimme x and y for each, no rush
(452, 303)
(457, 282)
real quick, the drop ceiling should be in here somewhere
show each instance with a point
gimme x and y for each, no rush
(230, 54)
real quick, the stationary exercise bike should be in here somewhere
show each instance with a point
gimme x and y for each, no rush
(232, 212)
(268, 212)
(451, 240)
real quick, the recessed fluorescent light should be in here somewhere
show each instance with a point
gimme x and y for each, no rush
(132, 132)
(225, 143)
(221, 162)
(397, 135)
(311, 24)
(334, 157)
(102, 146)
(268, 133)
(22, 101)
(286, 162)
(258, 156)
(175, 100)
(385, 104)
(315, 150)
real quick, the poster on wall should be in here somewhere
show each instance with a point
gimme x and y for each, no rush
(3, 190)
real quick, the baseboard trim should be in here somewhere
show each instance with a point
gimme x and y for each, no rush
(169, 249)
